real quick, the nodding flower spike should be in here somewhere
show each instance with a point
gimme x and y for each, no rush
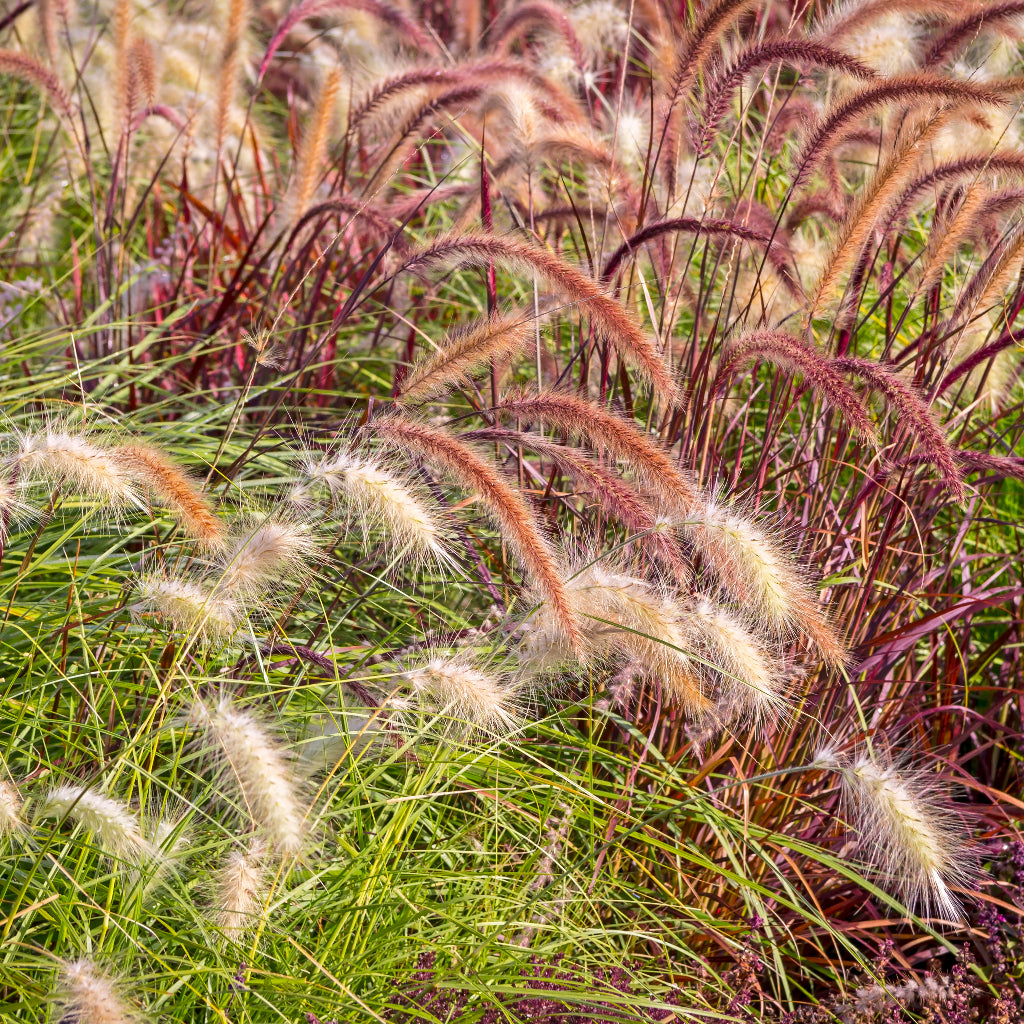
(88, 996)
(189, 607)
(238, 884)
(10, 807)
(909, 833)
(267, 551)
(474, 699)
(384, 499)
(113, 824)
(247, 758)
(88, 468)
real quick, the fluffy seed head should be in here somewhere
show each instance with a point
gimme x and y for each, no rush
(10, 807)
(238, 889)
(755, 570)
(911, 836)
(474, 699)
(382, 498)
(188, 607)
(621, 615)
(746, 677)
(151, 468)
(499, 336)
(256, 765)
(114, 826)
(267, 552)
(89, 997)
(88, 468)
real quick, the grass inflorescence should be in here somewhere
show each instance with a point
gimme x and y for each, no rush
(485, 493)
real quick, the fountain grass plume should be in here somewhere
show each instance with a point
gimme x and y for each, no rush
(471, 698)
(515, 519)
(612, 319)
(87, 467)
(237, 890)
(617, 497)
(394, 17)
(960, 33)
(759, 572)
(915, 89)
(499, 336)
(914, 414)
(909, 833)
(10, 808)
(25, 68)
(115, 827)
(726, 80)
(151, 468)
(818, 370)
(738, 662)
(312, 148)
(188, 606)
(232, 58)
(248, 759)
(850, 246)
(958, 228)
(709, 227)
(523, 17)
(384, 498)
(604, 429)
(88, 996)
(620, 614)
(267, 550)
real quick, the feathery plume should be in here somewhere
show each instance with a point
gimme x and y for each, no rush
(10, 807)
(238, 883)
(123, 98)
(755, 570)
(912, 411)
(313, 146)
(163, 478)
(88, 467)
(617, 498)
(653, 634)
(88, 996)
(188, 606)
(962, 31)
(912, 88)
(747, 679)
(993, 277)
(710, 25)
(254, 762)
(794, 355)
(381, 497)
(474, 699)
(911, 836)
(523, 17)
(621, 613)
(499, 336)
(266, 551)
(116, 828)
(580, 418)
(957, 229)
(393, 17)
(607, 315)
(517, 522)
(772, 51)
(853, 234)
(1010, 164)
(709, 227)
(443, 79)
(230, 63)
(28, 70)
